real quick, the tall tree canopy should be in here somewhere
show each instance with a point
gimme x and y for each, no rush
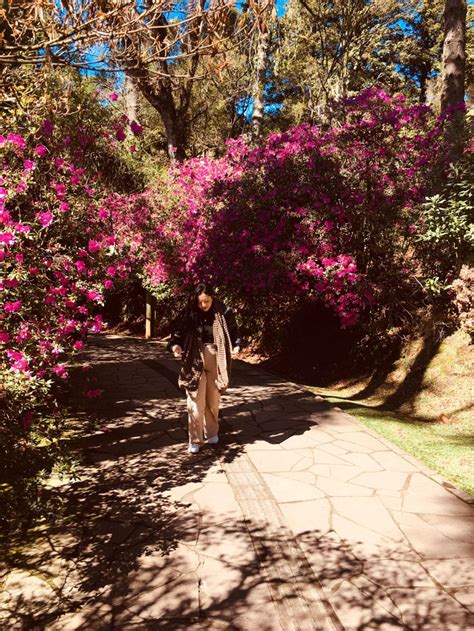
(164, 46)
(334, 49)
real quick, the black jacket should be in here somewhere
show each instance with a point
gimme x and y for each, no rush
(185, 323)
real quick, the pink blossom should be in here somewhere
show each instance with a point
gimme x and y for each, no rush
(18, 362)
(93, 246)
(7, 238)
(41, 150)
(29, 165)
(102, 213)
(60, 371)
(69, 327)
(120, 134)
(93, 295)
(60, 189)
(113, 96)
(23, 334)
(81, 266)
(137, 129)
(45, 218)
(5, 217)
(4, 337)
(64, 207)
(78, 345)
(97, 325)
(12, 307)
(93, 394)
(22, 227)
(16, 139)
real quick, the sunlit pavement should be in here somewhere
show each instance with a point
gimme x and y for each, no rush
(300, 518)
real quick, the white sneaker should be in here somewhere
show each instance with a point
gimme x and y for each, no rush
(213, 440)
(193, 448)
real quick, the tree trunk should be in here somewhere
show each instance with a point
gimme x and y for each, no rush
(258, 94)
(161, 98)
(130, 98)
(454, 53)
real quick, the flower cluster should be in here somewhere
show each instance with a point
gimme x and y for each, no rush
(60, 254)
(308, 215)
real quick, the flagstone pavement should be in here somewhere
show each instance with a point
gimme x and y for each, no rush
(300, 519)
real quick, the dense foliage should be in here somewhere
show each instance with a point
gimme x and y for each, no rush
(61, 253)
(311, 215)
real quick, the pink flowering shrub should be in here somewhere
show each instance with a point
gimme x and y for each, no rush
(60, 254)
(57, 243)
(323, 216)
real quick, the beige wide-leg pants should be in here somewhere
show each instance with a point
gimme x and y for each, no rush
(203, 404)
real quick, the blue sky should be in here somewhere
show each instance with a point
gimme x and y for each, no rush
(281, 7)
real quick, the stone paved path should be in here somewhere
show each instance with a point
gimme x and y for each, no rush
(301, 519)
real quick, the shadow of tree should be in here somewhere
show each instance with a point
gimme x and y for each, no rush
(411, 385)
(133, 549)
(373, 411)
(201, 588)
(413, 381)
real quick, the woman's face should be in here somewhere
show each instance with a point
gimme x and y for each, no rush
(204, 302)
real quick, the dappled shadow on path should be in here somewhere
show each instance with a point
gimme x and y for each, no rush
(207, 585)
(119, 512)
(151, 537)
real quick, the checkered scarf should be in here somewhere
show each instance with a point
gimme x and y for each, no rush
(192, 362)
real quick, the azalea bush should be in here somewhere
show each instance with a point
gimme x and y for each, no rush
(62, 249)
(312, 216)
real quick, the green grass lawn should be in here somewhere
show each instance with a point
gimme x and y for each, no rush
(446, 449)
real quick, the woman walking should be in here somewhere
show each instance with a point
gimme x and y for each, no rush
(205, 337)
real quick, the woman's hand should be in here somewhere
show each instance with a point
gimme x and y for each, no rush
(177, 351)
(235, 352)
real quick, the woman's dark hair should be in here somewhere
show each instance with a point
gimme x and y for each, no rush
(200, 288)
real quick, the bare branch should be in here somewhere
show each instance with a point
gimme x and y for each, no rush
(159, 32)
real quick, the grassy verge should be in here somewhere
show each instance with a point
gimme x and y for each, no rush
(446, 449)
